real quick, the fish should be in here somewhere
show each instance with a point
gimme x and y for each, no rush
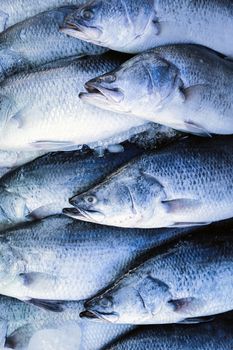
(184, 282)
(20, 10)
(41, 110)
(215, 335)
(135, 26)
(15, 159)
(17, 49)
(24, 323)
(42, 187)
(59, 258)
(186, 183)
(185, 87)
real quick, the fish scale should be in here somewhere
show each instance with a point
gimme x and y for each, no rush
(46, 112)
(186, 183)
(62, 259)
(186, 279)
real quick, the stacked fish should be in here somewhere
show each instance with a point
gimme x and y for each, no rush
(116, 194)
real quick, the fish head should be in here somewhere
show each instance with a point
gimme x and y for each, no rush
(114, 24)
(124, 199)
(134, 299)
(139, 87)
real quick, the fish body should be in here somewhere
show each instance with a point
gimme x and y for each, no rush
(135, 26)
(185, 280)
(61, 259)
(25, 321)
(19, 10)
(42, 110)
(187, 183)
(42, 187)
(18, 51)
(215, 335)
(185, 87)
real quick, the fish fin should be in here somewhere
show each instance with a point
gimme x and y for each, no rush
(50, 305)
(37, 280)
(51, 145)
(43, 212)
(193, 320)
(19, 339)
(3, 20)
(196, 129)
(180, 204)
(189, 224)
(183, 305)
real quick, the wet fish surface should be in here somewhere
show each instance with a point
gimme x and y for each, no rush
(42, 110)
(12, 12)
(215, 335)
(18, 51)
(187, 183)
(61, 259)
(42, 187)
(23, 322)
(135, 26)
(185, 87)
(184, 281)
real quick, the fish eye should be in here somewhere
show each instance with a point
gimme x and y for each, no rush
(106, 302)
(87, 14)
(91, 199)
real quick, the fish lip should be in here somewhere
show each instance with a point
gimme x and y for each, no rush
(79, 213)
(77, 30)
(94, 315)
(96, 91)
(73, 212)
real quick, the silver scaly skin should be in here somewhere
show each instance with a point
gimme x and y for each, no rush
(187, 183)
(37, 41)
(41, 110)
(185, 87)
(207, 336)
(42, 187)
(137, 25)
(184, 281)
(24, 321)
(62, 259)
(12, 12)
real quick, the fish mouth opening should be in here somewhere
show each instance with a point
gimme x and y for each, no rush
(73, 29)
(78, 213)
(95, 315)
(98, 94)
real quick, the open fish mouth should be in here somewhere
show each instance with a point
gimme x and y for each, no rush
(99, 95)
(96, 316)
(81, 214)
(73, 29)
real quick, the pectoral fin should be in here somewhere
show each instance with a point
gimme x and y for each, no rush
(194, 320)
(188, 305)
(179, 205)
(53, 145)
(19, 339)
(49, 305)
(196, 129)
(45, 211)
(37, 280)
